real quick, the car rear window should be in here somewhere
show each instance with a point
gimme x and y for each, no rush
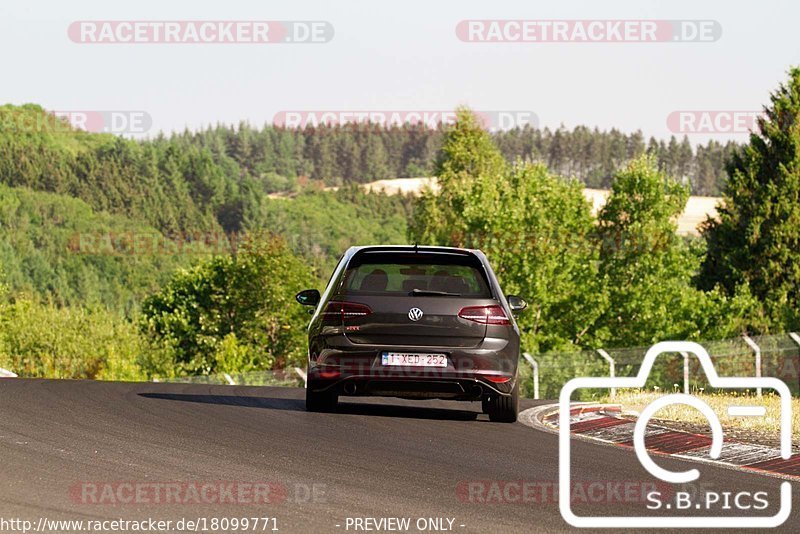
(398, 274)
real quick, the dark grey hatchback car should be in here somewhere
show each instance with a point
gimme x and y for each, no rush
(417, 323)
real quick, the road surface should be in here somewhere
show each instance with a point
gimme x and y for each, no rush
(64, 443)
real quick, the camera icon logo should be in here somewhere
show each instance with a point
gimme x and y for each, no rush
(676, 477)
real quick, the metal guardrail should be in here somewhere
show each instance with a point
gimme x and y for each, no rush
(535, 367)
(611, 364)
(757, 351)
(685, 372)
(302, 374)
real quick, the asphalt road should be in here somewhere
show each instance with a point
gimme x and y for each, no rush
(375, 458)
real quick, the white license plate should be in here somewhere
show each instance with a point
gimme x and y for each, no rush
(413, 359)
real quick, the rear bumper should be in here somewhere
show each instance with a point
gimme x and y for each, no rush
(471, 374)
(452, 388)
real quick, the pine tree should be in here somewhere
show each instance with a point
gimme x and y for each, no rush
(756, 240)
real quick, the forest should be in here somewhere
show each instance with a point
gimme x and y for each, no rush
(180, 255)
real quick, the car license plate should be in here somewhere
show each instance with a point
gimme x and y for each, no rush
(413, 360)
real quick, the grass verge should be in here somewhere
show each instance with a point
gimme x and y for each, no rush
(753, 429)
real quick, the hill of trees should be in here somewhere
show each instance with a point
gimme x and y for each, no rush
(58, 248)
(132, 259)
(216, 180)
(97, 219)
(277, 157)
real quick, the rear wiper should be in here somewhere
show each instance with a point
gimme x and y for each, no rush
(430, 292)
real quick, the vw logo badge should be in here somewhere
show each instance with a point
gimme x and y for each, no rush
(415, 314)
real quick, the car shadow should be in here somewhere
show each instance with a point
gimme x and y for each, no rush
(299, 405)
(296, 405)
(412, 412)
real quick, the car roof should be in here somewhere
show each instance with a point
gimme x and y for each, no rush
(352, 252)
(410, 248)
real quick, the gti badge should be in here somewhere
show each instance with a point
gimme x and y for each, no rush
(415, 314)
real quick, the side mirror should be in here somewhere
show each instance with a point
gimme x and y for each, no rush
(516, 303)
(308, 297)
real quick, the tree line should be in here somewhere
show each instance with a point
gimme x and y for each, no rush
(217, 179)
(618, 278)
(359, 153)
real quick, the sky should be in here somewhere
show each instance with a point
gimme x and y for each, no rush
(402, 56)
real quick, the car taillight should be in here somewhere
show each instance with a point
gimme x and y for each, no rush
(498, 379)
(485, 314)
(329, 374)
(338, 312)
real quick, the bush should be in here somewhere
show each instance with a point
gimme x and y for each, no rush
(230, 313)
(43, 340)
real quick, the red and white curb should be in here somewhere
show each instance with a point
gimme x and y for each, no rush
(603, 423)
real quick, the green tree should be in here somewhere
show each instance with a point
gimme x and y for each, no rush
(756, 238)
(645, 266)
(468, 158)
(231, 311)
(533, 227)
(647, 269)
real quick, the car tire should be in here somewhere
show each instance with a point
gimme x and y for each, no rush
(321, 401)
(503, 408)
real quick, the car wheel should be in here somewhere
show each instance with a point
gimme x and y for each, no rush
(503, 408)
(321, 401)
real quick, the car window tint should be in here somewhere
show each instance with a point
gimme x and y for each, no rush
(384, 274)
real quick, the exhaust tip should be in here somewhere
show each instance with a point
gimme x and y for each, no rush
(476, 390)
(350, 388)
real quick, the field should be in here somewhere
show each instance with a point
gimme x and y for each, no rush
(697, 208)
(748, 429)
